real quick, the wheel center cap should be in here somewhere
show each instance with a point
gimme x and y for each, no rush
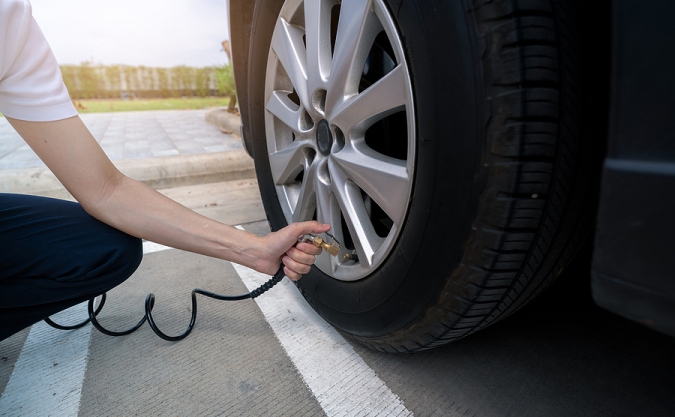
(324, 139)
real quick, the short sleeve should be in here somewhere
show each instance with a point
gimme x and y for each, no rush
(31, 85)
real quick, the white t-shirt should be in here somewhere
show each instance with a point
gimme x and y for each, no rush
(31, 85)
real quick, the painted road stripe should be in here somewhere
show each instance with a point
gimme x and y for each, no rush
(150, 247)
(340, 380)
(48, 375)
(47, 378)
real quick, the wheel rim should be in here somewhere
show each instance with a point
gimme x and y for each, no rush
(340, 126)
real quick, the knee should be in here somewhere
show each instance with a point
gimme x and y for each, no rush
(126, 257)
(117, 261)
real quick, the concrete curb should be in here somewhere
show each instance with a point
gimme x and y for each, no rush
(224, 120)
(158, 173)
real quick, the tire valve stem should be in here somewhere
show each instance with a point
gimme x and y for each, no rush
(332, 248)
(351, 257)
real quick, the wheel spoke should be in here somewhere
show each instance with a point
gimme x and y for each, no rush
(324, 262)
(357, 28)
(287, 44)
(386, 180)
(327, 211)
(287, 163)
(348, 194)
(317, 37)
(304, 208)
(285, 110)
(383, 98)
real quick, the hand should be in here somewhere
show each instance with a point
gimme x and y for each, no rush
(283, 246)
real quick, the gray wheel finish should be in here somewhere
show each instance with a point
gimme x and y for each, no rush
(320, 104)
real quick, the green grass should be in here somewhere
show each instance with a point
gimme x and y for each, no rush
(192, 103)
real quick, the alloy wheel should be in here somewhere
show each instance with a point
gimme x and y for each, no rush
(340, 126)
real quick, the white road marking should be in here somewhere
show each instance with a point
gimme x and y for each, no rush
(338, 377)
(48, 375)
(47, 378)
(150, 247)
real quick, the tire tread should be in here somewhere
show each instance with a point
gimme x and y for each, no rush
(537, 208)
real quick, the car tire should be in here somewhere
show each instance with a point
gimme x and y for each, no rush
(503, 170)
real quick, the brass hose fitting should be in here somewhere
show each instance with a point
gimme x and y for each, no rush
(316, 240)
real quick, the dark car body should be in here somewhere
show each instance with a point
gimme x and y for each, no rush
(633, 261)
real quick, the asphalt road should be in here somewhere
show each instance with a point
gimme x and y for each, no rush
(559, 356)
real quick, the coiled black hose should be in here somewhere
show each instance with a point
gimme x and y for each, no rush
(150, 303)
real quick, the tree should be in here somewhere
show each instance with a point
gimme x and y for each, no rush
(225, 85)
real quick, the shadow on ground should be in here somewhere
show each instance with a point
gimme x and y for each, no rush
(559, 356)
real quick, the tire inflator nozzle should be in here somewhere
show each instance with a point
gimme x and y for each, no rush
(332, 248)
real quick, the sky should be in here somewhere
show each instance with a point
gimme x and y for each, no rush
(154, 33)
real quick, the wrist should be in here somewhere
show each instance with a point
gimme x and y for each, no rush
(249, 250)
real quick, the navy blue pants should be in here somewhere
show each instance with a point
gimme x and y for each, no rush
(53, 255)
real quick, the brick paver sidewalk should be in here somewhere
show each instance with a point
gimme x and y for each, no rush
(132, 135)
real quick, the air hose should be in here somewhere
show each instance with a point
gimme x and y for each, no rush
(333, 248)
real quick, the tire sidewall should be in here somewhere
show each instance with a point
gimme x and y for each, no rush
(445, 73)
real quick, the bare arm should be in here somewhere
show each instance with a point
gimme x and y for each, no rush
(73, 155)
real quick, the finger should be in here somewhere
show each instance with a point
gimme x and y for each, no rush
(308, 248)
(311, 227)
(297, 267)
(300, 256)
(293, 276)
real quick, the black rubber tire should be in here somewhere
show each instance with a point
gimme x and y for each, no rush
(506, 170)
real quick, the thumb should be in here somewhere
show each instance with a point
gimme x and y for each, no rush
(303, 228)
